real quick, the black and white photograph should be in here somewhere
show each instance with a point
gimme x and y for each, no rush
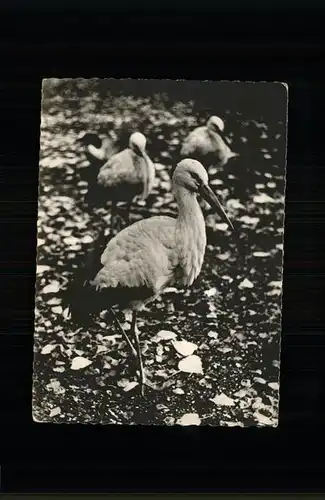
(160, 245)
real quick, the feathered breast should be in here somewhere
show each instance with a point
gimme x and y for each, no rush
(143, 254)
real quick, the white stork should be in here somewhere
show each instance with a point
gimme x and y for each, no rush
(148, 256)
(127, 174)
(207, 144)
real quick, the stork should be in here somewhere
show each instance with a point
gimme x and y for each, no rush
(127, 174)
(207, 144)
(150, 255)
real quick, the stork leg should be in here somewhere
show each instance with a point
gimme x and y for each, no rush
(134, 330)
(113, 217)
(127, 213)
(125, 335)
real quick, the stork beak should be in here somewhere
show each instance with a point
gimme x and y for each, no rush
(210, 197)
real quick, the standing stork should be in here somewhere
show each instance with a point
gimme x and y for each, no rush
(207, 144)
(128, 174)
(150, 255)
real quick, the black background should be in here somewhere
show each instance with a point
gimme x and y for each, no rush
(164, 40)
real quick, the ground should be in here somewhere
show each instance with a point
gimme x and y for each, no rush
(230, 319)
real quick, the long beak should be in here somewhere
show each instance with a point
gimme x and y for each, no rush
(211, 198)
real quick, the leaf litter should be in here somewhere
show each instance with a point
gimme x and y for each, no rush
(207, 328)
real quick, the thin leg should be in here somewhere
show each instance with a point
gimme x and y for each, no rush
(125, 335)
(113, 217)
(128, 210)
(137, 345)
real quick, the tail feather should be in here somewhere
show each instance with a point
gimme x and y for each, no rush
(81, 297)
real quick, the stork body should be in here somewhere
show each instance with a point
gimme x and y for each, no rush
(208, 145)
(128, 174)
(146, 257)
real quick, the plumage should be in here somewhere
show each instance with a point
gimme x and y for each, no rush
(146, 257)
(208, 144)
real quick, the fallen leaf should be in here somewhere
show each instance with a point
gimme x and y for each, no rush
(53, 287)
(241, 393)
(245, 284)
(222, 400)
(235, 204)
(48, 348)
(70, 241)
(246, 219)
(224, 256)
(178, 390)
(274, 385)
(259, 380)
(101, 348)
(57, 309)
(212, 335)
(224, 350)
(263, 198)
(261, 254)
(275, 284)
(87, 239)
(263, 419)
(276, 292)
(169, 421)
(41, 269)
(232, 424)
(130, 386)
(55, 386)
(222, 226)
(79, 362)
(171, 289)
(189, 419)
(216, 182)
(191, 364)
(55, 411)
(185, 348)
(211, 292)
(54, 301)
(165, 335)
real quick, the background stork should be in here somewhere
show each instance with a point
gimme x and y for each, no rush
(208, 144)
(127, 174)
(146, 257)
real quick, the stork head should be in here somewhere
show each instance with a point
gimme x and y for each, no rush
(137, 143)
(215, 124)
(191, 175)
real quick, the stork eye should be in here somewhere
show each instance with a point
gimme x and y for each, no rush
(196, 178)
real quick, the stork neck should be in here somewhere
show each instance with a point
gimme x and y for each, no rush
(190, 235)
(188, 206)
